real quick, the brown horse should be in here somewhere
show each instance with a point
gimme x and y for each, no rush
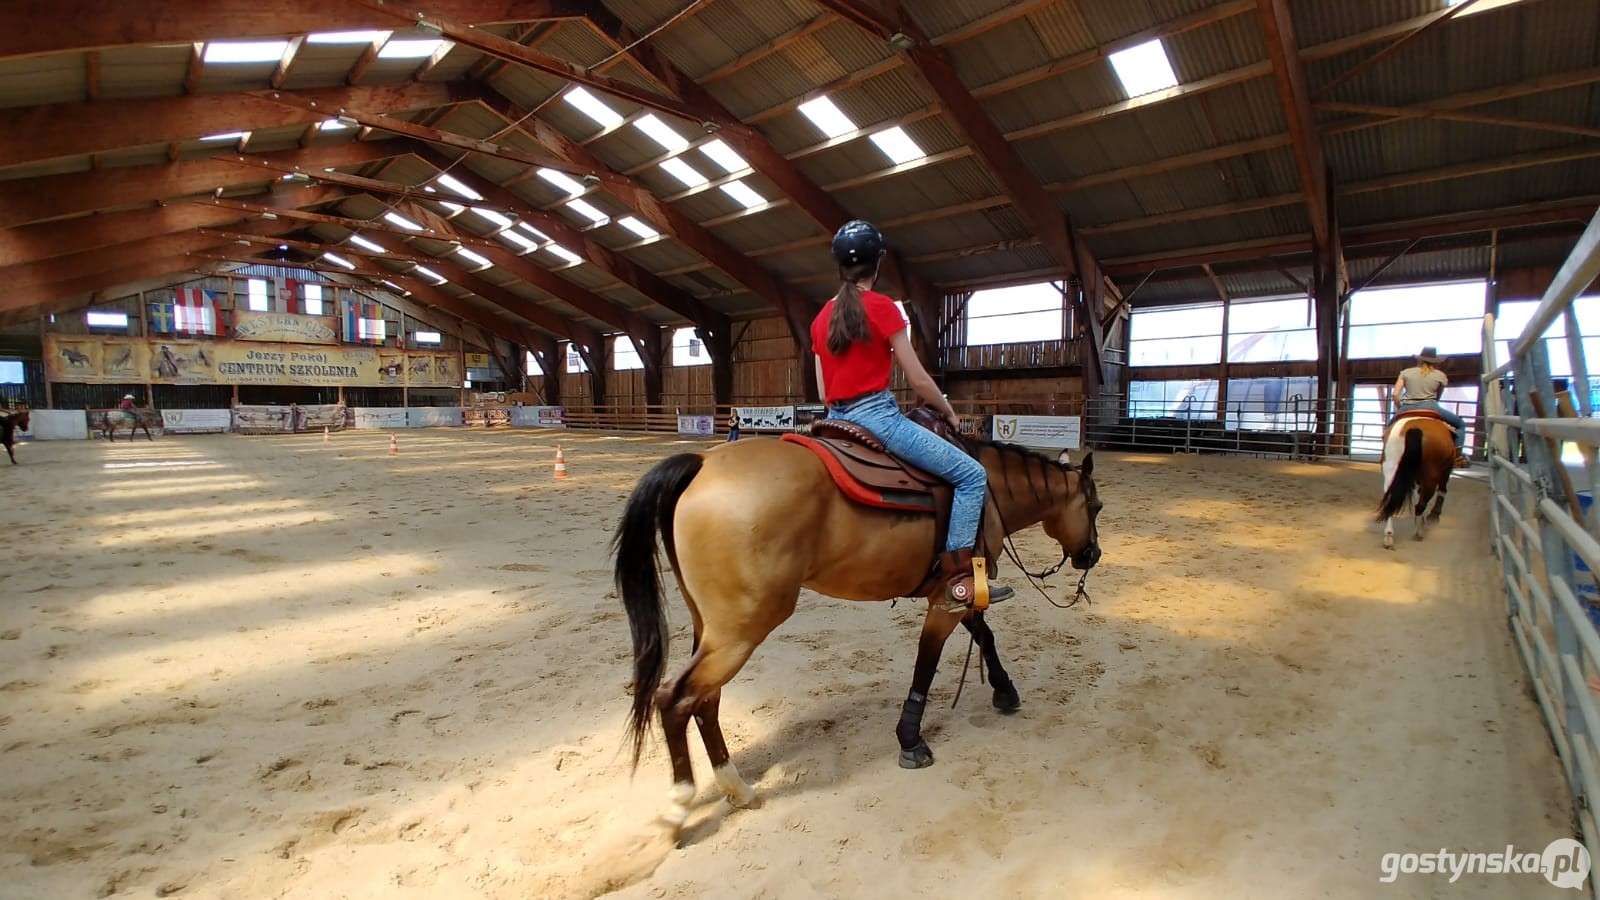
(1418, 459)
(113, 421)
(10, 423)
(747, 525)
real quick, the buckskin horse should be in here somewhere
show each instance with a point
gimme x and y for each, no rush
(10, 422)
(1418, 459)
(746, 525)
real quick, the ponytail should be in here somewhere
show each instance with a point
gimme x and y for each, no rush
(848, 323)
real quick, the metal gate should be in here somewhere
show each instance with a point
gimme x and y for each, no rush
(1543, 530)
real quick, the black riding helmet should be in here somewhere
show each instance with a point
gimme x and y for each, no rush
(857, 242)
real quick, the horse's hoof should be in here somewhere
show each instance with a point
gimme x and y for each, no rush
(1433, 519)
(1007, 700)
(918, 757)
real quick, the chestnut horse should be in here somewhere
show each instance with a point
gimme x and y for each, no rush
(9, 424)
(1418, 459)
(114, 420)
(746, 525)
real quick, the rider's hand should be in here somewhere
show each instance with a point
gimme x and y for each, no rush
(954, 422)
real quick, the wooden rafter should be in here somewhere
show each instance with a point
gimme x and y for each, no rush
(1284, 53)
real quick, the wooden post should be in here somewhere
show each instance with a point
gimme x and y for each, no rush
(1222, 359)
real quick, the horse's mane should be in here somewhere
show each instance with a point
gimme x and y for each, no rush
(974, 444)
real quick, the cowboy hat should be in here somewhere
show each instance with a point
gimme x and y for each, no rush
(1429, 355)
(127, 396)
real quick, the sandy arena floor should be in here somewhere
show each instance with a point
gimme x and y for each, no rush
(272, 667)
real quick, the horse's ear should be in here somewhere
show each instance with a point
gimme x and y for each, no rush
(1087, 466)
(1065, 458)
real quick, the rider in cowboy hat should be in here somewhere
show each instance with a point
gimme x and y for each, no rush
(1418, 387)
(127, 406)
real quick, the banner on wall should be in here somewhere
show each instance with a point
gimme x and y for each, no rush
(806, 413)
(285, 328)
(487, 416)
(699, 425)
(1040, 432)
(196, 421)
(319, 416)
(263, 419)
(765, 418)
(113, 360)
(376, 417)
(432, 416)
(538, 416)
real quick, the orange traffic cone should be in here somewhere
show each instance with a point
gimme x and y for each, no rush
(561, 463)
(394, 445)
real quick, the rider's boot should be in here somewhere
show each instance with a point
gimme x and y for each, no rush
(961, 587)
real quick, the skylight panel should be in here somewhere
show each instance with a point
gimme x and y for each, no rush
(591, 106)
(475, 259)
(684, 172)
(828, 118)
(431, 275)
(394, 218)
(347, 37)
(226, 136)
(660, 132)
(1144, 68)
(245, 51)
(564, 253)
(452, 183)
(499, 219)
(333, 125)
(396, 288)
(338, 260)
(743, 194)
(453, 207)
(561, 180)
(417, 49)
(533, 231)
(365, 244)
(897, 145)
(723, 156)
(637, 227)
(512, 237)
(587, 210)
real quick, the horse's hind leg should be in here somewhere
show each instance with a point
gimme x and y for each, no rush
(1005, 692)
(936, 628)
(729, 781)
(1388, 533)
(1438, 505)
(1423, 496)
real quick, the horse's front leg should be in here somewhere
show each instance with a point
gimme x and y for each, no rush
(936, 628)
(1388, 533)
(1005, 692)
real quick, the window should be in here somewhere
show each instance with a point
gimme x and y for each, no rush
(587, 210)
(661, 133)
(311, 297)
(591, 106)
(561, 180)
(1029, 312)
(1514, 317)
(897, 145)
(451, 183)
(1272, 404)
(1177, 335)
(365, 244)
(338, 260)
(11, 371)
(1400, 321)
(625, 354)
(421, 49)
(687, 349)
(743, 194)
(1270, 331)
(1144, 68)
(575, 363)
(530, 363)
(394, 218)
(257, 291)
(432, 338)
(828, 118)
(723, 155)
(245, 51)
(481, 262)
(1172, 399)
(684, 172)
(637, 227)
(96, 318)
(347, 37)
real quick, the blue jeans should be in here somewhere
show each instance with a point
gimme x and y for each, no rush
(879, 414)
(1449, 416)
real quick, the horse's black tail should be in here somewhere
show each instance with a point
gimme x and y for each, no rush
(649, 511)
(1404, 482)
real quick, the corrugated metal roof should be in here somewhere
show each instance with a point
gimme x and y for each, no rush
(718, 33)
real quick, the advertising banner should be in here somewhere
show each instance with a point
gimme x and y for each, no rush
(58, 425)
(284, 328)
(376, 417)
(487, 416)
(699, 425)
(765, 418)
(196, 421)
(318, 416)
(1040, 432)
(538, 416)
(433, 416)
(263, 419)
(806, 413)
(111, 360)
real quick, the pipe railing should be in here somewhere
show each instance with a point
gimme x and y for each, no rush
(1543, 531)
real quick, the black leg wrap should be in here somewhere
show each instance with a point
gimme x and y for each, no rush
(909, 731)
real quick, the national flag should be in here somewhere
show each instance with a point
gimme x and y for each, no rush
(194, 312)
(161, 317)
(362, 321)
(285, 293)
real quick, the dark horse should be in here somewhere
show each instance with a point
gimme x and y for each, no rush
(114, 420)
(747, 525)
(9, 424)
(1418, 458)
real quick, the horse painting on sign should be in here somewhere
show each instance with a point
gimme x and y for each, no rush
(1418, 458)
(745, 526)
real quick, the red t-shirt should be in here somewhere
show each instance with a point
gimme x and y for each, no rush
(865, 367)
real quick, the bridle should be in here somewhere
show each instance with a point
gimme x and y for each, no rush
(1036, 579)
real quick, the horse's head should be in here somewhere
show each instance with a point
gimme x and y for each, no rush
(1072, 523)
(20, 417)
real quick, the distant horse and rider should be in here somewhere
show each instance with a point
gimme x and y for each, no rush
(871, 506)
(128, 416)
(11, 422)
(1421, 449)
